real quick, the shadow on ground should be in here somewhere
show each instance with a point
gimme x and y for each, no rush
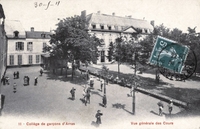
(118, 106)
(78, 78)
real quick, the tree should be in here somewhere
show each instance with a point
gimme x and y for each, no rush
(191, 39)
(124, 49)
(72, 42)
(110, 52)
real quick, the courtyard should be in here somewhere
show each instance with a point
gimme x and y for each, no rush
(49, 105)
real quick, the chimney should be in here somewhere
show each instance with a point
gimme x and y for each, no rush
(83, 17)
(32, 29)
(98, 12)
(113, 14)
(83, 14)
(152, 23)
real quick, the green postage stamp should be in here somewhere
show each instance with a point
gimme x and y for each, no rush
(169, 54)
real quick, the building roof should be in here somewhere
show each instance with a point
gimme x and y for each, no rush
(129, 29)
(14, 25)
(38, 34)
(96, 18)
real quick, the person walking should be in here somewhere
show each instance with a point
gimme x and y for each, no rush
(14, 75)
(28, 79)
(7, 79)
(160, 110)
(102, 83)
(41, 72)
(86, 98)
(87, 74)
(17, 74)
(14, 87)
(24, 80)
(91, 82)
(72, 91)
(161, 106)
(3, 80)
(170, 106)
(98, 117)
(36, 81)
(104, 99)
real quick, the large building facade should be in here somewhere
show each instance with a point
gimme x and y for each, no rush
(3, 50)
(25, 47)
(110, 27)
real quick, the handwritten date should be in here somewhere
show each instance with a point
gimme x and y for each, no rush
(47, 5)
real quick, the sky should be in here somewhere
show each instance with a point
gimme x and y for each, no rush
(179, 14)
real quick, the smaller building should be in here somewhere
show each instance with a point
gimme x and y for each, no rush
(25, 47)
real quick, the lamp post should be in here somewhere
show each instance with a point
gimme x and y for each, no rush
(136, 45)
(105, 73)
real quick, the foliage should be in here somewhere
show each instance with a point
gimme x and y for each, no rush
(191, 39)
(110, 51)
(124, 50)
(72, 42)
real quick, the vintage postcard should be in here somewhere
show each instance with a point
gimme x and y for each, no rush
(116, 64)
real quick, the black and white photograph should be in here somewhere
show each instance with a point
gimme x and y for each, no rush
(107, 64)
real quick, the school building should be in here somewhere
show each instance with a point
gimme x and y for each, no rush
(109, 27)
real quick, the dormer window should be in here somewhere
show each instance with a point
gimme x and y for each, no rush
(29, 46)
(109, 27)
(43, 35)
(102, 27)
(93, 26)
(16, 34)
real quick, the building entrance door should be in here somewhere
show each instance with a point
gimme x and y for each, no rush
(103, 56)
(19, 59)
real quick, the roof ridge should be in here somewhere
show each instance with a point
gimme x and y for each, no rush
(38, 31)
(119, 16)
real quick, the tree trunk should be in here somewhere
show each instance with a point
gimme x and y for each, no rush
(72, 70)
(53, 70)
(118, 68)
(66, 71)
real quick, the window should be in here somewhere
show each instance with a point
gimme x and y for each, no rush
(109, 27)
(43, 35)
(44, 46)
(94, 26)
(37, 58)
(102, 27)
(103, 38)
(19, 59)
(103, 56)
(11, 59)
(19, 46)
(16, 34)
(30, 59)
(29, 46)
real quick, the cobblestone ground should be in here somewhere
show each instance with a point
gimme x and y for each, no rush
(50, 103)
